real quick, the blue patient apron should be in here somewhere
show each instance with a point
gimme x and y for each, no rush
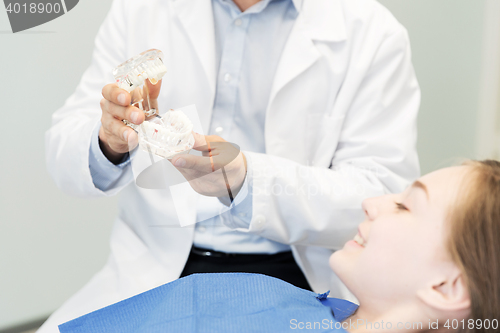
(225, 302)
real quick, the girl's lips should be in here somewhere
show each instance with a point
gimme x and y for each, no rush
(353, 243)
(358, 239)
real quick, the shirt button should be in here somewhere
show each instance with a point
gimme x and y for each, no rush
(238, 22)
(227, 77)
(219, 130)
(260, 221)
(202, 229)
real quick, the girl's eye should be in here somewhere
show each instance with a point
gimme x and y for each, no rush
(400, 206)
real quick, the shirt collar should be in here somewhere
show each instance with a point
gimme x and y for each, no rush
(296, 3)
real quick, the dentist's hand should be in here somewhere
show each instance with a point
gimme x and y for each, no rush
(115, 138)
(206, 174)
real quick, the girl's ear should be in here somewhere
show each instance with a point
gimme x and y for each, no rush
(447, 294)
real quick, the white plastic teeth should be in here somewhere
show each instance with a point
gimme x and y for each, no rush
(168, 135)
(133, 72)
(151, 69)
(358, 239)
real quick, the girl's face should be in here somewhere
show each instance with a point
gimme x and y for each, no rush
(400, 247)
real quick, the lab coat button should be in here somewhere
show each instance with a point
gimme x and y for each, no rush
(219, 129)
(202, 229)
(227, 77)
(237, 22)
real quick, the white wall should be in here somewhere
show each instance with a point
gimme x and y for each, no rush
(51, 244)
(488, 124)
(446, 38)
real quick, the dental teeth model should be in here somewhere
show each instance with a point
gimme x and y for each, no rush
(168, 135)
(132, 74)
(164, 136)
(147, 65)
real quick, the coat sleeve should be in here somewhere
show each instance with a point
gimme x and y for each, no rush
(306, 205)
(69, 138)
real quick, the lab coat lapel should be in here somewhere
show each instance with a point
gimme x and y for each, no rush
(196, 16)
(318, 20)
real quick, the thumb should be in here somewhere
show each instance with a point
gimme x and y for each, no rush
(202, 142)
(199, 141)
(193, 162)
(153, 89)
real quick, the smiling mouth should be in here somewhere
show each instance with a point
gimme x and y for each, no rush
(358, 239)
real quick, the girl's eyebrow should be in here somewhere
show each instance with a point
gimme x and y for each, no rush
(419, 184)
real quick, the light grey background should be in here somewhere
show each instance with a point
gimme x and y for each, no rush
(446, 38)
(51, 244)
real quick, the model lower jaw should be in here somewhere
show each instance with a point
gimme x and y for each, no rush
(168, 135)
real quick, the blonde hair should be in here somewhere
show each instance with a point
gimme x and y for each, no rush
(474, 241)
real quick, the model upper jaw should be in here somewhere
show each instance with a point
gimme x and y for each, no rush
(164, 136)
(133, 72)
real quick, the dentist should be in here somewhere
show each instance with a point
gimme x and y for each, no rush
(320, 95)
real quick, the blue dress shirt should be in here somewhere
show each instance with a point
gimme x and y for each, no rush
(248, 49)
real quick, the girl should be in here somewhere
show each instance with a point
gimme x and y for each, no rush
(423, 260)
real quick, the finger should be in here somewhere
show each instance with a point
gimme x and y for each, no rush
(210, 150)
(219, 148)
(192, 162)
(153, 89)
(216, 148)
(201, 142)
(150, 93)
(116, 128)
(131, 113)
(116, 95)
(214, 138)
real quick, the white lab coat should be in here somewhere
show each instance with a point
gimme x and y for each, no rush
(341, 120)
